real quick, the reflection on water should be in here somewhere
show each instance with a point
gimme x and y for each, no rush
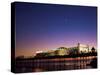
(40, 65)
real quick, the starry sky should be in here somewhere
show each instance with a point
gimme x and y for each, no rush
(48, 26)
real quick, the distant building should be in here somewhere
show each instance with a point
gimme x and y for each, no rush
(51, 53)
(73, 50)
(83, 48)
(93, 50)
(62, 51)
(80, 48)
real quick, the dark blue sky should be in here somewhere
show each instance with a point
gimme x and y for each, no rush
(47, 26)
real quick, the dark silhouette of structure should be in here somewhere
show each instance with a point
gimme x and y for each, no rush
(93, 50)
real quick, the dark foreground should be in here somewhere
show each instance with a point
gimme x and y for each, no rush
(55, 64)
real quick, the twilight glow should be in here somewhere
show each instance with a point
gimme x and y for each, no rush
(46, 27)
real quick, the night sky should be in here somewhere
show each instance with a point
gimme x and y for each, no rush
(46, 27)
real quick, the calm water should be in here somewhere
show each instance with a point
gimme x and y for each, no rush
(39, 65)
